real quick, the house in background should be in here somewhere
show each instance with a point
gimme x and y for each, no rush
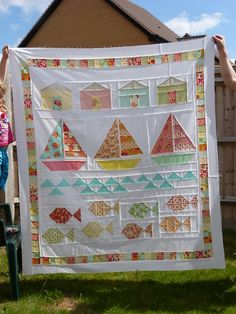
(96, 23)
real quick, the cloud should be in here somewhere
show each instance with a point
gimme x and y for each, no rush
(182, 24)
(25, 5)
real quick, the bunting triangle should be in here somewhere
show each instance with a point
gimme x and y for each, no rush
(56, 191)
(127, 180)
(79, 182)
(158, 177)
(189, 176)
(63, 183)
(142, 178)
(120, 188)
(95, 182)
(111, 181)
(103, 189)
(166, 185)
(173, 177)
(87, 190)
(150, 186)
(47, 184)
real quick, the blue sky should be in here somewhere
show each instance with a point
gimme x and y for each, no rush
(192, 16)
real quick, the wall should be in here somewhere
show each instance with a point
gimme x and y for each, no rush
(94, 24)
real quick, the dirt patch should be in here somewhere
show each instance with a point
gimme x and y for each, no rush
(68, 304)
(73, 306)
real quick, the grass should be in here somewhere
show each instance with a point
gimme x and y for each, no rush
(195, 292)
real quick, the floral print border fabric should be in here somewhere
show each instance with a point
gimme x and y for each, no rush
(115, 170)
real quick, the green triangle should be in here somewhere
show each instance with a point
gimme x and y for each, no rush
(150, 186)
(103, 189)
(79, 182)
(143, 178)
(120, 188)
(158, 177)
(189, 176)
(173, 177)
(56, 191)
(47, 184)
(95, 182)
(111, 181)
(166, 185)
(127, 180)
(71, 235)
(155, 209)
(63, 183)
(87, 190)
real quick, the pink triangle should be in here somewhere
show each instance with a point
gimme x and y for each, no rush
(181, 140)
(164, 143)
(172, 139)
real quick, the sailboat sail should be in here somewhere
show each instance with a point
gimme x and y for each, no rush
(181, 140)
(54, 147)
(118, 144)
(173, 144)
(71, 147)
(128, 144)
(164, 143)
(110, 148)
(63, 152)
(172, 138)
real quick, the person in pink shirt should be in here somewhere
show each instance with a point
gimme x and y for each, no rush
(6, 136)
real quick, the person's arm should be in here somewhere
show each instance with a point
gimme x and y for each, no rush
(3, 63)
(227, 71)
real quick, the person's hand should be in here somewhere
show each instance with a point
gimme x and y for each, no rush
(219, 41)
(5, 52)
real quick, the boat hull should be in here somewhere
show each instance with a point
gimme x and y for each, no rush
(64, 165)
(173, 159)
(118, 164)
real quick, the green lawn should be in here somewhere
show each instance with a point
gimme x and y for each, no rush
(199, 291)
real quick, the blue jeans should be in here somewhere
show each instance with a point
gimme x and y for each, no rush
(3, 167)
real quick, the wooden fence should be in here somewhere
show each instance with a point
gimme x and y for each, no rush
(226, 137)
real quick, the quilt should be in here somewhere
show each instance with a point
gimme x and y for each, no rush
(117, 158)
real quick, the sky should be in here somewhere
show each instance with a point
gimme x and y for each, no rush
(195, 17)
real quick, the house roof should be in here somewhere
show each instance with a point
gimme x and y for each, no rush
(145, 20)
(188, 37)
(140, 17)
(94, 87)
(133, 85)
(172, 81)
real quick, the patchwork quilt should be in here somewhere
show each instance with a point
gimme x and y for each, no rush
(117, 158)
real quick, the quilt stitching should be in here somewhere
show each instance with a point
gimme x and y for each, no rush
(55, 234)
